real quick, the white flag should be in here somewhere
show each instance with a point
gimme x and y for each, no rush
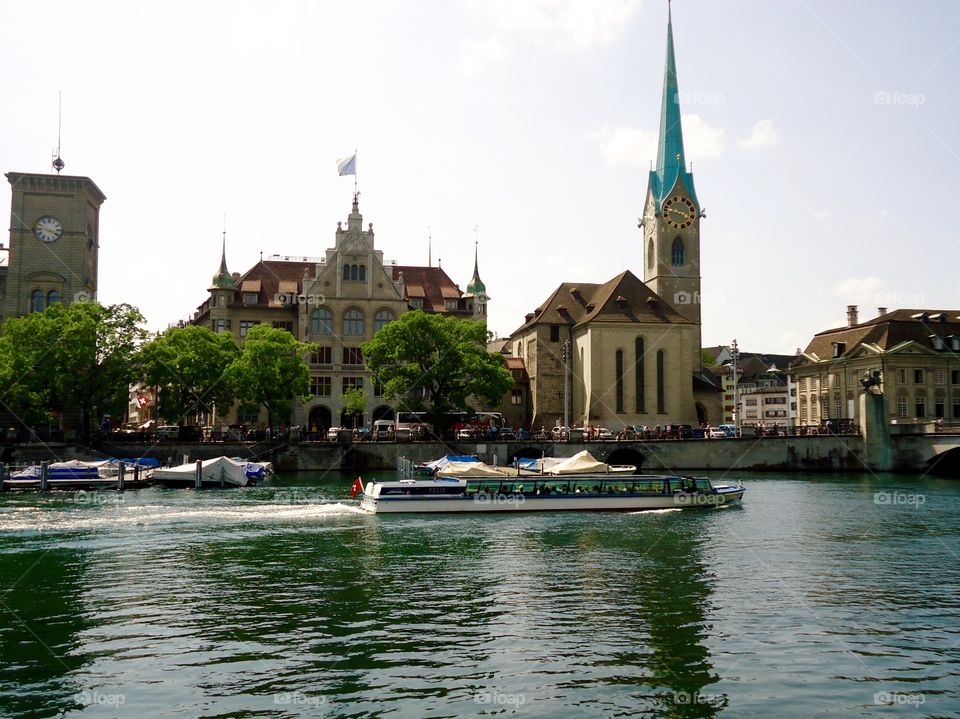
(347, 165)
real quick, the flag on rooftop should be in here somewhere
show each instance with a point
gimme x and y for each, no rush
(347, 165)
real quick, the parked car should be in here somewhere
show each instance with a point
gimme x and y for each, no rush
(464, 433)
(560, 433)
(605, 434)
(729, 430)
(168, 431)
(716, 433)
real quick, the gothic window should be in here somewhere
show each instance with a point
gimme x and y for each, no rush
(363, 273)
(53, 297)
(37, 301)
(354, 272)
(382, 318)
(676, 253)
(346, 272)
(353, 323)
(650, 253)
(321, 322)
(640, 379)
(661, 394)
(619, 362)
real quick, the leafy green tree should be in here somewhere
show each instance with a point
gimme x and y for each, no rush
(79, 357)
(270, 370)
(707, 359)
(189, 365)
(438, 356)
(353, 403)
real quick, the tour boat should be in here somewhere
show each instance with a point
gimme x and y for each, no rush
(481, 488)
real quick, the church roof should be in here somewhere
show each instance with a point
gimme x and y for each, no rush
(624, 298)
(671, 161)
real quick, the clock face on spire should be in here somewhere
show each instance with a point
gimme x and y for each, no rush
(679, 212)
(48, 229)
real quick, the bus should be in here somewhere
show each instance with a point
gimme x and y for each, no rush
(414, 423)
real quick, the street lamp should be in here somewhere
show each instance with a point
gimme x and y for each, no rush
(735, 367)
(566, 384)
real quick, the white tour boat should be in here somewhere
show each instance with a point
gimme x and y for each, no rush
(477, 487)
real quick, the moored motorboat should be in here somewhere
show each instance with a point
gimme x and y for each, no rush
(217, 472)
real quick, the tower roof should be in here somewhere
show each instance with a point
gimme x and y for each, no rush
(223, 280)
(476, 286)
(671, 161)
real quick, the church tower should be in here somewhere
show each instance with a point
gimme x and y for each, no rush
(476, 295)
(672, 213)
(54, 242)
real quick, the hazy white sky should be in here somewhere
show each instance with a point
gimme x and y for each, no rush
(823, 135)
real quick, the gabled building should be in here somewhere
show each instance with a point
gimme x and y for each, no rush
(912, 353)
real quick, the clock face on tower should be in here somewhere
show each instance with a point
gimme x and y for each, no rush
(48, 229)
(679, 212)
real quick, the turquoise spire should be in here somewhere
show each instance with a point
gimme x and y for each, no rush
(671, 162)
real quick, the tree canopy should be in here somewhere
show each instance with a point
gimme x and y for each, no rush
(270, 370)
(75, 357)
(443, 358)
(188, 365)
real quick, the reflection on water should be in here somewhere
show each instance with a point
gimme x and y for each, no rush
(812, 598)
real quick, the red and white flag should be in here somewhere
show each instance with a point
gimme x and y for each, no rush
(357, 487)
(142, 400)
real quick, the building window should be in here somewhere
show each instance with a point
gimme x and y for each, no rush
(554, 333)
(250, 298)
(246, 325)
(377, 389)
(661, 382)
(346, 272)
(901, 376)
(901, 407)
(516, 397)
(353, 323)
(53, 297)
(352, 356)
(416, 303)
(803, 384)
(955, 376)
(940, 376)
(640, 379)
(938, 407)
(362, 274)
(352, 383)
(956, 408)
(382, 318)
(450, 305)
(248, 414)
(37, 301)
(221, 325)
(650, 253)
(837, 407)
(920, 404)
(321, 355)
(677, 253)
(752, 402)
(320, 386)
(321, 322)
(918, 376)
(619, 366)
(288, 326)
(803, 409)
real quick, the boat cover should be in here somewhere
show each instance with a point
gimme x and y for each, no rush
(469, 469)
(580, 463)
(233, 471)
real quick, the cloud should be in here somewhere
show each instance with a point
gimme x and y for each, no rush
(764, 134)
(635, 146)
(562, 24)
(858, 290)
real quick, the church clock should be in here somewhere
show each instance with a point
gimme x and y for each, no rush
(679, 212)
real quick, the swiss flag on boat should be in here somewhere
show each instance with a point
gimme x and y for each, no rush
(357, 487)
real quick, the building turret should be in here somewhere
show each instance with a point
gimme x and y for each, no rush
(477, 291)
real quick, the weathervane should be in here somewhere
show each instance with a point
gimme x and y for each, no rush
(57, 163)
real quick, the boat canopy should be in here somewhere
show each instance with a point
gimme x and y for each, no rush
(469, 469)
(580, 463)
(233, 471)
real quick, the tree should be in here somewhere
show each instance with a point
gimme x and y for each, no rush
(79, 357)
(707, 359)
(270, 370)
(353, 402)
(440, 357)
(188, 365)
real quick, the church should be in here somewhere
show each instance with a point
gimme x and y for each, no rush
(626, 352)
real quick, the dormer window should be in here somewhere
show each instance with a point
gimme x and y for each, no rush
(938, 343)
(839, 348)
(250, 298)
(955, 343)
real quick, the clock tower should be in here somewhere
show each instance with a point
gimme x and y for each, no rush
(54, 242)
(672, 213)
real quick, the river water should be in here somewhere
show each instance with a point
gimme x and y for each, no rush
(822, 595)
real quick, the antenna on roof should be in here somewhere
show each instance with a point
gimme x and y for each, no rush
(429, 246)
(57, 163)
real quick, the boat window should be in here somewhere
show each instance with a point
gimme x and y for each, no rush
(703, 485)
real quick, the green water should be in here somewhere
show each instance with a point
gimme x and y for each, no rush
(819, 596)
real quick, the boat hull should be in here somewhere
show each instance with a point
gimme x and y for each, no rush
(525, 503)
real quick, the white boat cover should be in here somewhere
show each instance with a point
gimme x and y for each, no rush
(469, 469)
(580, 463)
(233, 471)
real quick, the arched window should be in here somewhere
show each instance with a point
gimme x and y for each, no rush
(346, 272)
(36, 301)
(53, 297)
(661, 382)
(619, 375)
(676, 253)
(650, 252)
(363, 273)
(353, 323)
(321, 322)
(382, 317)
(640, 378)
(354, 273)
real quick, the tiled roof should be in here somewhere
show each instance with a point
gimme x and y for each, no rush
(430, 283)
(269, 274)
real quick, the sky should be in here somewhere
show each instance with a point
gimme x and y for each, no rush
(823, 138)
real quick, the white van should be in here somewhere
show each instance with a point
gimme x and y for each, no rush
(383, 429)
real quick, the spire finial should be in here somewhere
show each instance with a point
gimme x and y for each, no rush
(429, 246)
(57, 163)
